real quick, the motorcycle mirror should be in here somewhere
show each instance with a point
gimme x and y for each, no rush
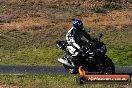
(100, 35)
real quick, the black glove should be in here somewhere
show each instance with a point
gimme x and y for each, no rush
(83, 50)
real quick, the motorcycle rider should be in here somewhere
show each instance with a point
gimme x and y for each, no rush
(74, 40)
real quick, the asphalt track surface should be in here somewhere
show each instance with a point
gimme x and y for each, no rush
(15, 70)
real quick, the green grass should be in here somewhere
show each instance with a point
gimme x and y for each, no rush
(112, 6)
(52, 6)
(121, 56)
(46, 56)
(107, 6)
(22, 48)
(51, 81)
(98, 9)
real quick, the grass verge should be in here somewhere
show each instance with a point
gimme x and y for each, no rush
(17, 52)
(52, 81)
(46, 56)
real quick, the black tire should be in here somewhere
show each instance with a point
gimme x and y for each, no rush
(108, 66)
(71, 70)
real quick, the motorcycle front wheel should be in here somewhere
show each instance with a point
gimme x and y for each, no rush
(106, 66)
